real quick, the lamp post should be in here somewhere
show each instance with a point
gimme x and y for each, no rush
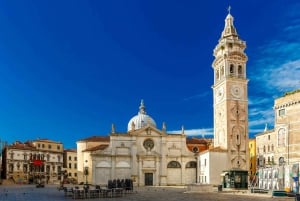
(86, 172)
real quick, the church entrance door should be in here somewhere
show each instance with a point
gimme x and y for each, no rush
(148, 179)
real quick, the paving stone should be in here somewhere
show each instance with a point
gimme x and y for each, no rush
(51, 193)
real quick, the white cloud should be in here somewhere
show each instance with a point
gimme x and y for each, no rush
(197, 96)
(275, 69)
(194, 132)
(258, 100)
(286, 77)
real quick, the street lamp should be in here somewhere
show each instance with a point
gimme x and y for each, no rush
(86, 172)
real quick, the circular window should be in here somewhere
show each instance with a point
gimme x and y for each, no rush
(195, 149)
(148, 144)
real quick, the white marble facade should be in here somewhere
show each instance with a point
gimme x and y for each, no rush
(145, 154)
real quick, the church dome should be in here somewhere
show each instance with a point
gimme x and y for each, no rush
(141, 119)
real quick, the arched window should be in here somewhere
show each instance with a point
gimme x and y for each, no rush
(11, 168)
(191, 164)
(240, 71)
(231, 69)
(174, 164)
(195, 149)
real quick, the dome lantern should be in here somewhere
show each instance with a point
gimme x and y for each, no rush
(141, 119)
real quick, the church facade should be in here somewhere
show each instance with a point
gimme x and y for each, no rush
(147, 155)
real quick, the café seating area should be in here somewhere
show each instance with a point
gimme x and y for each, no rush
(114, 188)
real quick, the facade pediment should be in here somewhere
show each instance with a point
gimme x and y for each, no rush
(147, 131)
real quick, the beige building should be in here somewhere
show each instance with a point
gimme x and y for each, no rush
(70, 164)
(278, 149)
(287, 126)
(33, 160)
(266, 146)
(84, 160)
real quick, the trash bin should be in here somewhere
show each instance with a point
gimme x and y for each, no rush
(220, 189)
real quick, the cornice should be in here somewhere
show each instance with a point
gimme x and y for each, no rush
(287, 104)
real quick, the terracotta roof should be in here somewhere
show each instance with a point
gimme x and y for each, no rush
(99, 147)
(197, 141)
(23, 146)
(96, 139)
(46, 140)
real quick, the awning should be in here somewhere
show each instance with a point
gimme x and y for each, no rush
(37, 162)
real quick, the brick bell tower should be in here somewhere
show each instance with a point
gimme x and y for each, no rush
(230, 96)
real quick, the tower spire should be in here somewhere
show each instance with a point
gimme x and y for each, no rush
(229, 9)
(229, 29)
(142, 107)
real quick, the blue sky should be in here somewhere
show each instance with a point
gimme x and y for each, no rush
(69, 69)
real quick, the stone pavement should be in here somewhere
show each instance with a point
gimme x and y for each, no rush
(51, 193)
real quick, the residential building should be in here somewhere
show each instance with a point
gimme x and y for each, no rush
(208, 159)
(70, 165)
(278, 158)
(252, 162)
(84, 160)
(33, 160)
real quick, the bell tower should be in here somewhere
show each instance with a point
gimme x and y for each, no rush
(230, 96)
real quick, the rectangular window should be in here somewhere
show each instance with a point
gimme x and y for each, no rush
(75, 158)
(281, 112)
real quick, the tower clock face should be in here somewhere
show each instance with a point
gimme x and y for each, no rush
(236, 91)
(219, 94)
